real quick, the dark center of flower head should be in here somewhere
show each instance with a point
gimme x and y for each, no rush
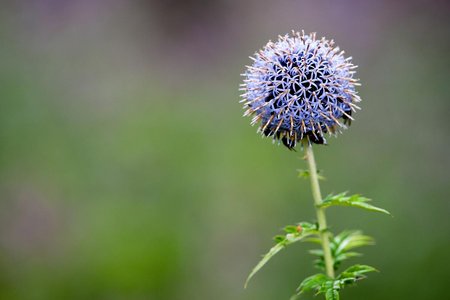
(300, 87)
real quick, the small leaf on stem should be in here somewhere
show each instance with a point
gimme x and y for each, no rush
(332, 294)
(355, 200)
(341, 245)
(282, 241)
(356, 272)
(305, 174)
(313, 282)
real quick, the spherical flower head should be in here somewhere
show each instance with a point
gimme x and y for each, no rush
(299, 88)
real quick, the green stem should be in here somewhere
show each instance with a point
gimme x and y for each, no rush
(320, 212)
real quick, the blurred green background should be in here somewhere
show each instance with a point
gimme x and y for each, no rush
(128, 172)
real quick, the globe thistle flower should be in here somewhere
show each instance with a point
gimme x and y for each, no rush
(300, 87)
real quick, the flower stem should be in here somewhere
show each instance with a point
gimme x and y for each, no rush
(320, 212)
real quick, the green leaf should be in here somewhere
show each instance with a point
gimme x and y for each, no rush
(308, 226)
(313, 282)
(290, 229)
(355, 200)
(356, 272)
(341, 246)
(332, 294)
(347, 255)
(305, 174)
(319, 264)
(321, 284)
(307, 229)
(350, 239)
(345, 241)
(279, 238)
(314, 240)
(316, 252)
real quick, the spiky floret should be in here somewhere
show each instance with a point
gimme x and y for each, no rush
(299, 87)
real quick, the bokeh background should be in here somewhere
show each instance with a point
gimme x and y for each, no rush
(128, 172)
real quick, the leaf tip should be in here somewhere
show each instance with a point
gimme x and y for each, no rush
(246, 284)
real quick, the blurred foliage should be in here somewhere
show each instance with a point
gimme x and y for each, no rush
(127, 171)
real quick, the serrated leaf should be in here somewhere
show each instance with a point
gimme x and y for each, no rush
(321, 284)
(355, 201)
(350, 239)
(356, 271)
(313, 282)
(341, 245)
(332, 294)
(283, 241)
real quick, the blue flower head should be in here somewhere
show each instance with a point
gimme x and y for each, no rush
(300, 87)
